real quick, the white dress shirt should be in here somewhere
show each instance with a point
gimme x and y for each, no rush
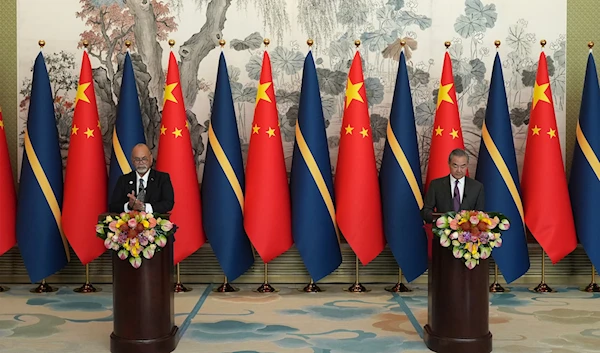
(461, 186)
(137, 187)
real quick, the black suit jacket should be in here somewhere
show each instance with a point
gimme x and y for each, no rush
(439, 197)
(159, 192)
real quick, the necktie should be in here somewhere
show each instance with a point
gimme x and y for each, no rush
(456, 198)
(141, 191)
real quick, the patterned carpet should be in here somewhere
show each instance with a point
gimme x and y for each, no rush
(333, 321)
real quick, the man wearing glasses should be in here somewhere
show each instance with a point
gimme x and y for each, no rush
(144, 189)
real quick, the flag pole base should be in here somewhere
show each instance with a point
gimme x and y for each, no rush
(312, 288)
(399, 288)
(181, 288)
(43, 288)
(226, 287)
(357, 287)
(87, 288)
(4, 289)
(497, 288)
(590, 288)
(543, 288)
(266, 288)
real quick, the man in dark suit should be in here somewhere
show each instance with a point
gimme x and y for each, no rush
(154, 189)
(455, 191)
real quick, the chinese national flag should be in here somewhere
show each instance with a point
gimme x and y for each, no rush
(447, 132)
(85, 177)
(546, 202)
(356, 185)
(175, 156)
(8, 197)
(267, 212)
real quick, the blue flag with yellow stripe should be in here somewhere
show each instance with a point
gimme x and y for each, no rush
(313, 214)
(223, 184)
(497, 170)
(401, 184)
(584, 185)
(43, 246)
(129, 129)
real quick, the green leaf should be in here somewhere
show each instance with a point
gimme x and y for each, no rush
(488, 12)
(406, 18)
(466, 26)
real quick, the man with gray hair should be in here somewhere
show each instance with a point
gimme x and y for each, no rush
(455, 191)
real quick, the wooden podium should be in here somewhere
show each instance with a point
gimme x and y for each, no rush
(143, 304)
(458, 305)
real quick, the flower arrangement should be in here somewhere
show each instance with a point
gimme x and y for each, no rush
(135, 234)
(471, 234)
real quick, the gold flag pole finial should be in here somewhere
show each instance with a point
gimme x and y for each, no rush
(41, 43)
(402, 44)
(447, 44)
(543, 43)
(171, 43)
(497, 43)
(222, 43)
(85, 43)
(590, 45)
(266, 42)
(357, 43)
(128, 44)
(310, 42)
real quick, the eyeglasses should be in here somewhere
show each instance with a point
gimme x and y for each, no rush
(140, 160)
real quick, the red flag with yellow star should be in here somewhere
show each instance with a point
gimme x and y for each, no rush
(85, 179)
(267, 210)
(176, 157)
(546, 202)
(8, 197)
(358, 201)
(447, 133)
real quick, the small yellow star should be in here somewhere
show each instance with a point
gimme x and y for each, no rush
(81, 93)
(352, 92)
(539, 94)
(255, 129)
(536, 130)
(74, 130)
(349, 129)
(551, 133)
(98, 123)
(364, 132)
(270, 132)
(444, 94)
(454, 134)
(438, 131)
(163, 130)
(177, 133)
(187, 125)
(2, 124)
(89, 133)
(262, 92)
(169, 93)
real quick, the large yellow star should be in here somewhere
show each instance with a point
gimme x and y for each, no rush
(270, 132)
(352, 92)
(444, 94)
(89, 133)
(163, 130)
(551, 133)
(454, 134)
(539, 94)
(255, 129)
(262, 92)
(438, 131)
(177, 133)
(81, 93)
(349, 129)
(74, 130)
(535, 130)
(169, 93)
(364, 132)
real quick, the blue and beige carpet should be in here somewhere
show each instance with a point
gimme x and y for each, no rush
(333, 321)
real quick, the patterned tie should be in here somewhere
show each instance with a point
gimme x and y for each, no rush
(456, 198)
(141, 191)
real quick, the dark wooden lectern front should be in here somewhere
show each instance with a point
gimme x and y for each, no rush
(458, 311)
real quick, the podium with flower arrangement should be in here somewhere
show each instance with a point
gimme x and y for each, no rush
(142, 260)
(458, 306)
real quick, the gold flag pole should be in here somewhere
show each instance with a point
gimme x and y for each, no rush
(87, 287)
(593, 287)
(226, 287)
(180, 287)
(543, 287)
(312, 287)
(357, 287)
(399, 287)
(43, 288)
(496, 287)
(266, 287)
